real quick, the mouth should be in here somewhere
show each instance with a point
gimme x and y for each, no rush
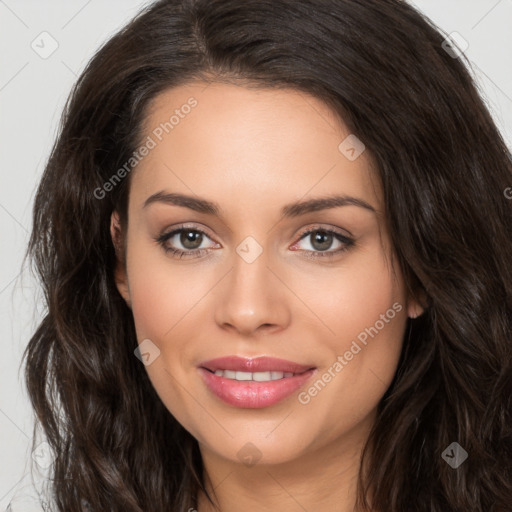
(253, 376)
(242, 367)
(253, 383)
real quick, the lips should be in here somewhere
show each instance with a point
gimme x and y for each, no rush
(253, 383)
(254, 365)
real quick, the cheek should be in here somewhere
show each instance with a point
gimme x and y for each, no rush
(163, 302)
(350, 299)
(363, 317)
(161, 294)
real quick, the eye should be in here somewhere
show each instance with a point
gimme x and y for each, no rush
(320, 240)
(191, 239)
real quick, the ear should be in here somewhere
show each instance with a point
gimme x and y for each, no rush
(120, 274)
(417, 304)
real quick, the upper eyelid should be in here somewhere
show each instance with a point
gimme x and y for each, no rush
(317, 227)
(302, 233)
(174, 231)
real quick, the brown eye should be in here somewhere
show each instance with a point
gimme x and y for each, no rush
(190, 238)
(321, 240)
(184, 242)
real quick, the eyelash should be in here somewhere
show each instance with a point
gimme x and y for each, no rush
(197, 253)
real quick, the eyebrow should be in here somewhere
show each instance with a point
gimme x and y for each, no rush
(288, 211)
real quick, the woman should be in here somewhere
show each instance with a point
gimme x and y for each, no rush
(274, 243)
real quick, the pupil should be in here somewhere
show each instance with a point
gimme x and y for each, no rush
(322, 240)
(189, 239)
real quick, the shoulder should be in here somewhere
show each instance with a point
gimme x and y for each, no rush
(27, 504)
(33, 493)
(35, 497)
(29, 497)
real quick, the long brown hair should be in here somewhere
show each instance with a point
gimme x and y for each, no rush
(444, 167)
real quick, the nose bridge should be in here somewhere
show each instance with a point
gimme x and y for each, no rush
(251, 294)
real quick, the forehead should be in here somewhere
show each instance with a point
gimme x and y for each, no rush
(231, 142)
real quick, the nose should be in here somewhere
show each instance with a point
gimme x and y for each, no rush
(252, 299)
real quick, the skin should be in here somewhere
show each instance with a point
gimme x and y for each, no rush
(252, 152)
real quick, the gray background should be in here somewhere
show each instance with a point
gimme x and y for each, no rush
(32, 94)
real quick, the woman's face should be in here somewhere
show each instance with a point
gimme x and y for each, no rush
(251, 283)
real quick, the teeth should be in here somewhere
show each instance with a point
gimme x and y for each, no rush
(261, 376)
(255, 376)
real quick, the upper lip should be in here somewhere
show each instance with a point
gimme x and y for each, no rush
(257, 364)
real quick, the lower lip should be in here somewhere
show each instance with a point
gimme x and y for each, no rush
(252, 394)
